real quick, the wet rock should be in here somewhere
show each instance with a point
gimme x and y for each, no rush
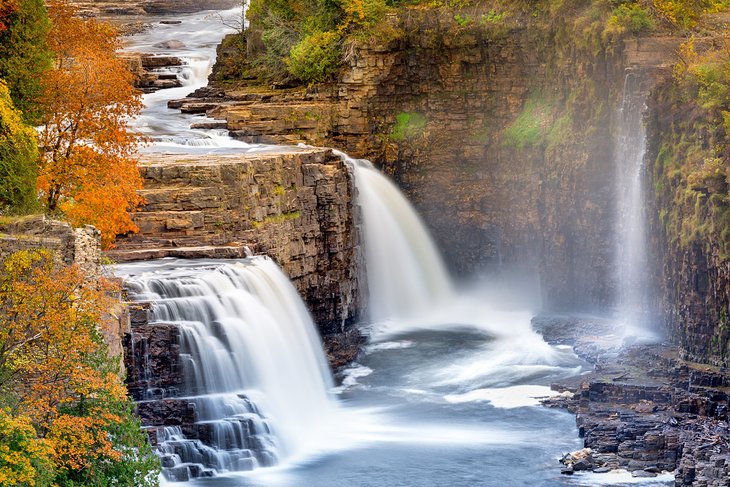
(172, 44)
(639, 411)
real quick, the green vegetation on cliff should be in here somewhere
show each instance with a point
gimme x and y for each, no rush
(692, 170)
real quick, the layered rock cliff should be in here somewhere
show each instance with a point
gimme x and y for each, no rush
(512, 123)
(295, 206)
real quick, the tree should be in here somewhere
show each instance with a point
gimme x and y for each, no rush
(88, 169)
(24, 459)
(18, 158)
(24, 53)
(55, 370)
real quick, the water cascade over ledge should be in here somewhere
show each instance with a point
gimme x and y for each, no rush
(253, 368)
(631, 244)
(405, 273)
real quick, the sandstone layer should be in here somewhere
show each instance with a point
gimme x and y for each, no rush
(296, 207)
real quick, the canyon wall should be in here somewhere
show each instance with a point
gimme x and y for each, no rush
(502, 135)
(689, 225)
(294, 206)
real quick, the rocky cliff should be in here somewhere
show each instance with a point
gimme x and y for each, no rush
(512, 123)
(295, 206)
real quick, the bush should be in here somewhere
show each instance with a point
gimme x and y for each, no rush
(315, 58)
(630, 18)
(18, 158)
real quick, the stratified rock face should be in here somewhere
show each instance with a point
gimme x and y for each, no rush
(296, 207)
(692, 274)
(433, 110)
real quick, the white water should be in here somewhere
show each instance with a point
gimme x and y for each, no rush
(405, 274)
(631, 244)
(166, 129)
(251, 359)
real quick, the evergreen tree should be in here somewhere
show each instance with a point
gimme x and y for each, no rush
(24, 54)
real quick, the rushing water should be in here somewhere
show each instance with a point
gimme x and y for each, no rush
(248, 347)
(445, 392)
(632, 264)
(199, 35)
(405, 274)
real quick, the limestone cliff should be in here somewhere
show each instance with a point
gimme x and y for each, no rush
(295, 206)
(502, 134)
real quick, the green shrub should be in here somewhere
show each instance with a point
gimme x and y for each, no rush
(315, 58)
(18, 158)
(630, 18)
(407, 126)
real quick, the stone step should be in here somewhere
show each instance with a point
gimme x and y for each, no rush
(199, 252)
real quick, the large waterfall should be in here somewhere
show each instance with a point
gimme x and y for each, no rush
(632, 267)
(252, 362)
(405, 274)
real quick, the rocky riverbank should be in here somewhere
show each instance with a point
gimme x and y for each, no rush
(642, 408)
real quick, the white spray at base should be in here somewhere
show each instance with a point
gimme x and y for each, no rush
(410, 291)
(251, 360)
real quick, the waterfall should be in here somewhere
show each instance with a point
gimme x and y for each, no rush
(631, 244)
(406, 277)
(253, 368)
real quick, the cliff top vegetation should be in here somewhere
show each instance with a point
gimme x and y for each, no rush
(293, 41)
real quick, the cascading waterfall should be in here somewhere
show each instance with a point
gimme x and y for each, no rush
(199, 35)
(405, 273)
(631, 243)
(252, 362)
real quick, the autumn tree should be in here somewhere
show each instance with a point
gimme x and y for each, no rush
(88, 170)
(56, 372)
(18, 158)
(24, 53)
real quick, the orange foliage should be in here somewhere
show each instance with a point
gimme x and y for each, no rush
(89, 170)
(49, 343)
(7, 8)
(55, 371)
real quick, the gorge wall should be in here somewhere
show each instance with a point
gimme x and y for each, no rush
(689, 227)
(295, 206)
(501, 134)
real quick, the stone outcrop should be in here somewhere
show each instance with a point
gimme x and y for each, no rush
(295, 207)
(80, 246)
(642, 408)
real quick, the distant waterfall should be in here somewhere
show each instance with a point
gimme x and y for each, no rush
(631, 241)
(254, 371)
(405, 273)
